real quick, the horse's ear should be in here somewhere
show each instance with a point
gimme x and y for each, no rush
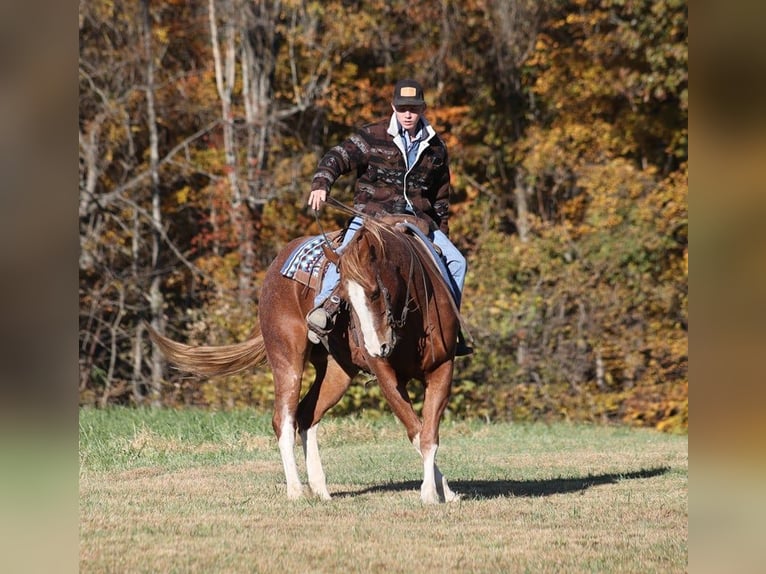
(331, 255)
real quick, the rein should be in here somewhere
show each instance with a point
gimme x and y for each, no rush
(340, 207)
(397, 323)
(414, 259)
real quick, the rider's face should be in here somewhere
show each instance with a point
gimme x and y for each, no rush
(408, 116)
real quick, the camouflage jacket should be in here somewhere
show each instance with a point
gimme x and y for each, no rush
(377, 154)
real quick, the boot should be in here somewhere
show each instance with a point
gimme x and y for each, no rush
(321, 318)
(462, 349)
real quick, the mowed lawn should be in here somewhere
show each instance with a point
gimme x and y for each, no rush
(196, 491)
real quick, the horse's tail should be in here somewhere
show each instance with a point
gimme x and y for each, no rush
(209, 361)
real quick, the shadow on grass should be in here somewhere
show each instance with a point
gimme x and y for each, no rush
(485, 489)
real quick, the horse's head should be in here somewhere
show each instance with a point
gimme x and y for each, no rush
(372, 283)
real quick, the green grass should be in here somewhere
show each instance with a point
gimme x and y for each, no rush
(193, 491)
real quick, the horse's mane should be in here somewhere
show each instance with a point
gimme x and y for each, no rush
(379, 231)
(354, 257)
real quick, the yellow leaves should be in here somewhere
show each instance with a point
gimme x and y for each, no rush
(613, 63)
(161, 34)
(182, 195)
(503, 305)
(548, 153)
(573, 212)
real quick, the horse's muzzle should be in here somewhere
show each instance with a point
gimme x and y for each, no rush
(387, 347)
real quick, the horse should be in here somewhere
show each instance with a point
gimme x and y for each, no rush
(398, 322)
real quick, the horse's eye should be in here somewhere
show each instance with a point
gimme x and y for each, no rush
(375, 295)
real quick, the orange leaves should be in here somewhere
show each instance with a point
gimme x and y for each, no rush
(615, 63)
(564, 119)
(598, 297)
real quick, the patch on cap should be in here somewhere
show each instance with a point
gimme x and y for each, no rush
(408, 92)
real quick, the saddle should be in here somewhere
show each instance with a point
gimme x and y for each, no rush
(307, 263)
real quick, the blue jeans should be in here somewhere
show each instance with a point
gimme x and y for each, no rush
(456, 263)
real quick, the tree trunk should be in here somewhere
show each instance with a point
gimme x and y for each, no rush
(259, 43)
(155, 294)
(522, 209)
(225, 76)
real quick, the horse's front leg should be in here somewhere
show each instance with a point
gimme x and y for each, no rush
(434, 488)
(395, 391)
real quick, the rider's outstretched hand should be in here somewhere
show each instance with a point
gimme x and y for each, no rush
(317, 198)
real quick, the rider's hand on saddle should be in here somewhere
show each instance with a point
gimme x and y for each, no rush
(317, 198)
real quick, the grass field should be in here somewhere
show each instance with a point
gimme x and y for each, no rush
(193, 491)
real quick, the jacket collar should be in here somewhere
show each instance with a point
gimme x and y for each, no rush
(393, 128)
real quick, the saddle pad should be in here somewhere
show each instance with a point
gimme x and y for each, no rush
(306, 263)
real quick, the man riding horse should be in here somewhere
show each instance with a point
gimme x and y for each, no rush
(403, 322)
(402, 166)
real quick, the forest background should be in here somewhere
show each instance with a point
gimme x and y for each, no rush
(201, 122)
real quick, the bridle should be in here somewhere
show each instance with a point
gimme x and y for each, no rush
(390, 318)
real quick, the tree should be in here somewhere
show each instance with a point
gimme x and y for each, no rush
(201, 123)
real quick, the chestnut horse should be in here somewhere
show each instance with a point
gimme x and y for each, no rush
(399, 322)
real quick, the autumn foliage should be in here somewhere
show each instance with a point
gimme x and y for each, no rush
(200, 124)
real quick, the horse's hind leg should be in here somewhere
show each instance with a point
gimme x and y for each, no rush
(284, 428)
(328, 388)
(316, 476)
(288, 370)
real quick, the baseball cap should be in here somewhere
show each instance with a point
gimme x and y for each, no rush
(408, 92)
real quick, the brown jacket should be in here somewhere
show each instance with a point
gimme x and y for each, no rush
(377, 153)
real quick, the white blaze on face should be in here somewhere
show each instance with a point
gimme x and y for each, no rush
(359, 302)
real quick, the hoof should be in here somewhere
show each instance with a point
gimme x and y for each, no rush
(321, 492)
(451, 497)
(294, 493)
(430, 496)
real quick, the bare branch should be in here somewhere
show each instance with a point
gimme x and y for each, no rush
(163, 234)
(95, 202)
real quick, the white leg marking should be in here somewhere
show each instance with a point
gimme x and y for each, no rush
(358, 301)
(443, 489)
(314, 469)
(287, 450)
(428, 492)
(416, 444)
(434, 488)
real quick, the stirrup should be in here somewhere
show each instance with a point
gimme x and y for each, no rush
(462, 348)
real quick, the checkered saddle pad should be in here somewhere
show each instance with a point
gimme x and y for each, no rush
(307, 262)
